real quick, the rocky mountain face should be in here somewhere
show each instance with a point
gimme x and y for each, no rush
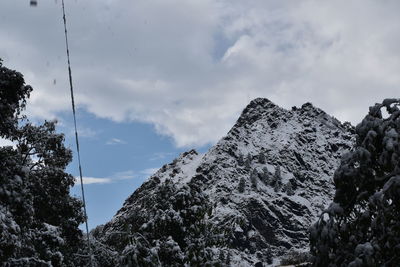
(248, 201)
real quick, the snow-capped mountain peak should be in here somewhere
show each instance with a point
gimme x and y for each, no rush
(248, 200)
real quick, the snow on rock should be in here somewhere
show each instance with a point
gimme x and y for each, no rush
(286, 159)
(181, 169)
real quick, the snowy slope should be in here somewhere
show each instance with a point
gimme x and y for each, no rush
(202, 199)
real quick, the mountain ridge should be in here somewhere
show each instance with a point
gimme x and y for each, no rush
(247, 201)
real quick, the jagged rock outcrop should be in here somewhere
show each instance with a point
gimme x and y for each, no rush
(249, 200)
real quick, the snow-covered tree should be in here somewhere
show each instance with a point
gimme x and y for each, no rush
(254, 179)
(38, 218)
(242, 185)
(362, 226)
(173, 233)
(276, 180)
(265, 176)
(247, 163)
(288, 188)
(13, 96)
(241, 159)
(228, 259)
(261, 158)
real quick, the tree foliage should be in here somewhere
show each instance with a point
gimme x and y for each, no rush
(13, 96)
(276, 182)
(261, 158)
(362, 226)
(241, 159)
(241, 185)
(288, 188)
(174, 233)
(247, 163)
(38, 218)
(265, 176)
(254, 179)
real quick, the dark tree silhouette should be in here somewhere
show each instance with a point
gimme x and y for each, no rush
(13, 96)
(38, 218)
(242, 185)
(362, 226)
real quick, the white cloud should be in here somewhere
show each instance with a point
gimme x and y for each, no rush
(83, 130)
(5, 142)
(125, 175)
(115, 141)
(148, 172)
(87, 132)
(161, 155)
(190, 67)
(93, 180)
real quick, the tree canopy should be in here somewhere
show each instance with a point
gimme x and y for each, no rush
(38, 218)
(13, 96)
(362, 226)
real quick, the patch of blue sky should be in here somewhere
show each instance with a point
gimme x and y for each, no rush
(116, 159)
(221, 44)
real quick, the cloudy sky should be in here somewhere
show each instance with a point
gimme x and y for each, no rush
(156, 77)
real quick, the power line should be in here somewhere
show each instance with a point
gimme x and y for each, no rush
(76, 133)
